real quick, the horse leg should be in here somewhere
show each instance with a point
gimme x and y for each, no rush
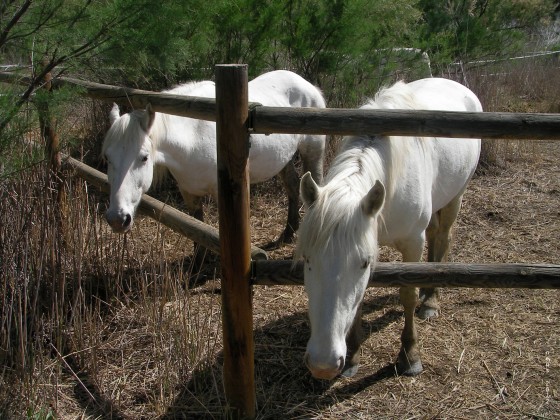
(290, 180)
(439, 239)
(194, 208)
(353, 342)
(408, 360)
(312, 152)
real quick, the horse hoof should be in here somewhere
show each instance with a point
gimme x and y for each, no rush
(407, 369)
(271, 246)
(425, 312)
(350, 371)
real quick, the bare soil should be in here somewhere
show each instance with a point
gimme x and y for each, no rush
(156, 353)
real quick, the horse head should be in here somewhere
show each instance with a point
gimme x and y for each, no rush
(128, 151)
(338, 242)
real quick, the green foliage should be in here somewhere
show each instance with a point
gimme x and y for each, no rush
(462, 30)
(12, 139)
(347, 47)
(157, 44)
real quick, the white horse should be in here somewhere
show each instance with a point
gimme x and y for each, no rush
(396, 191)
(187, 148)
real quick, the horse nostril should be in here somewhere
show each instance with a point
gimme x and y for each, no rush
(127, 220)
(341, 363)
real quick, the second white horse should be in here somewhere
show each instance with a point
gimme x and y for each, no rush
(143, 139)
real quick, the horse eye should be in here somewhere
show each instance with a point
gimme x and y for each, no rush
(144, 158)
(365, 263)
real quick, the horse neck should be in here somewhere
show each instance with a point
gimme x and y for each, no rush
(158, 136)
(158, 131)
(361, 162)
(167, 141)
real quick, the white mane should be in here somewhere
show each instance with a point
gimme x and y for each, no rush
(337, 213)
(360, 161)
(398, 96)
(189, 87)
(197, 88)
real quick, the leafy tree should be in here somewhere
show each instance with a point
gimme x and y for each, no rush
(160, 43)
(334, 44)
(37, 33)
(461, 30)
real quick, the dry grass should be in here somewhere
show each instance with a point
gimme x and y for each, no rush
(152, 349)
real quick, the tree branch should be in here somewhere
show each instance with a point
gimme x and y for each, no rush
(15, 19)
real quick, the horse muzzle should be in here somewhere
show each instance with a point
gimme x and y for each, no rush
(324, 372)
(120, 223)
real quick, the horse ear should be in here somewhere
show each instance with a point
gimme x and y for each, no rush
(308, 189)
(148, 119)
(115, 113)
(374, 199)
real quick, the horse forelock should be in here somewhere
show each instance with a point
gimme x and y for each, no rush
(128, 130)
(336, 215)
(336, 222)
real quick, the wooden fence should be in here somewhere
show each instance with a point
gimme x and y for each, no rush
(236, 118)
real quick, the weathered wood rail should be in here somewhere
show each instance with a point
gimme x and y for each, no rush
(266, 120)
(174, 219)
(193, 107)
(528, 276)
(488, 125)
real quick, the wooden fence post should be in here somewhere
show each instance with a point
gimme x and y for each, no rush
(233, 205)
(48, 130)
(52, 146)
(56, 183)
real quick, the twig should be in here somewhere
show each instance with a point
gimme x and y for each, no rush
(460, 361)
(521, 395)
(500, 389)
(61, 358)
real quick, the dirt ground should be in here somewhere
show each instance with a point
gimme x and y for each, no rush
(490, 353)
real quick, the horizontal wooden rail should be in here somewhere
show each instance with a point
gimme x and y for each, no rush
(487, 125)
(184, 106)
(174, 219)
(267, 120)
(529, 276)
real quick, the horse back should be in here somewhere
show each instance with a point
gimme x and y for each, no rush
(285, 88)
(439, 94)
